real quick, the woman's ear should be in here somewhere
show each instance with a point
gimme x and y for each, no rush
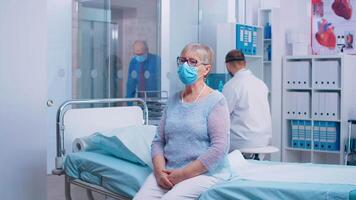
(207, 69)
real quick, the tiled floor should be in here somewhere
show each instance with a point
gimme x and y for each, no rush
(55, 190)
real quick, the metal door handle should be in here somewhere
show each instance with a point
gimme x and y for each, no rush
(50, 103)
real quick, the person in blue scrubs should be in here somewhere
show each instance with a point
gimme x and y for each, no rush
(144, 70)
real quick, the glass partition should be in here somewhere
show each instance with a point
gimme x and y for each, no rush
(116, 48)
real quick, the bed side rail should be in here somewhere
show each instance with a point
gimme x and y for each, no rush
(60, 153)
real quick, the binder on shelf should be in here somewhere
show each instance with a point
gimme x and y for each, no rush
(332, 136)
(316, 104)
(303, 104)
(322, 136)
(291, 104)
(295, 137)
(254, 41)
(332, 73)
(317, 74)
(308, 127)
(246, 40)
(301, 134)
(250, 40)
(316, 135)
(332, 105)
(240, 37)
(303, 74)
(292, 74)
(322, 102)
(335, 72)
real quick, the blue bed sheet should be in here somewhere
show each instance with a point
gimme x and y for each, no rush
(125, 178)
(259, 190)
(116, 175)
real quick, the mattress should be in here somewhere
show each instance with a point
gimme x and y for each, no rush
(125, 178)
(259, 190)
(116, 175)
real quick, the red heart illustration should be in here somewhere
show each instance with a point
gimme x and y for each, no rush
(342, 8)
(327, 39)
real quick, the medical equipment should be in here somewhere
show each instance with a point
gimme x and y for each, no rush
(82, 122)
(156, 102)
(350, 145)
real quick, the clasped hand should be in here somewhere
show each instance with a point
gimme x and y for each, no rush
(168, 178)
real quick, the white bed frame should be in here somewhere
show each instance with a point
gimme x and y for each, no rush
(78, 122)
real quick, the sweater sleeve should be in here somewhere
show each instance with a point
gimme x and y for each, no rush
(157, 146)
(219, 133)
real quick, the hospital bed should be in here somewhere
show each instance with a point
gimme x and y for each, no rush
(120, 179)
(82, 122)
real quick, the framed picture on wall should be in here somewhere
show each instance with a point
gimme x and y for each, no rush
(333, 26)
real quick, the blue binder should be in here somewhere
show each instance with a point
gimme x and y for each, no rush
(323, 138)
(240, 37)
(308, 128)
(295, 137)
(248, 39)
(316, 134)
(301, 134)
(254, 41)
(332, 136)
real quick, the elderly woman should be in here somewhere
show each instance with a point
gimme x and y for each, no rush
(189, 152)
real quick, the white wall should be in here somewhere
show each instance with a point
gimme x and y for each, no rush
(59, 63)
(23, 87)
(295, 17)
(178, 29)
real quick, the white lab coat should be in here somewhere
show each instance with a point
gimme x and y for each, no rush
(247, 98)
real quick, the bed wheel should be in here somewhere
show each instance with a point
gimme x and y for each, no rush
(67, 188)
(90, 195)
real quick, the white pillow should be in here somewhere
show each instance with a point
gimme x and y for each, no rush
(237, 160)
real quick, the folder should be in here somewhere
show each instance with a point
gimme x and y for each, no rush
(246, 40)
(303, 74)
(316, 105)
(335, 72)
(317, 74)
(250, 40)
(333, 105)
(254, 41)
(308, 127)
(303, 101)
(295, 104)
(301, 134)
(316, 135)
(332, 75)
(239, 36)
(290, 74)
(322, 112)
(332, 136)
(295, 137)
(322, 136)
(291, 104)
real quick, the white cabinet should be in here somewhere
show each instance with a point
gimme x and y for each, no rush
(315, 114)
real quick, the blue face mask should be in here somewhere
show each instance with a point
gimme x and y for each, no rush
(141, 58)
(187, 74)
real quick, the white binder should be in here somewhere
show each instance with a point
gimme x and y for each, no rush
(305, 104)
(334, 74)
(322, 101)
(316, 105)
(317, 75)
(333, 105)
(304, 74)
(291, 74)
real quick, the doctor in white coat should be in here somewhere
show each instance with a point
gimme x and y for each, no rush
(247, 98)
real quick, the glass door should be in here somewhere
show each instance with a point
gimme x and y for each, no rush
(116, 49)
(92, 63)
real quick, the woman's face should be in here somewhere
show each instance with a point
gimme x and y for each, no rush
(203, 68)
